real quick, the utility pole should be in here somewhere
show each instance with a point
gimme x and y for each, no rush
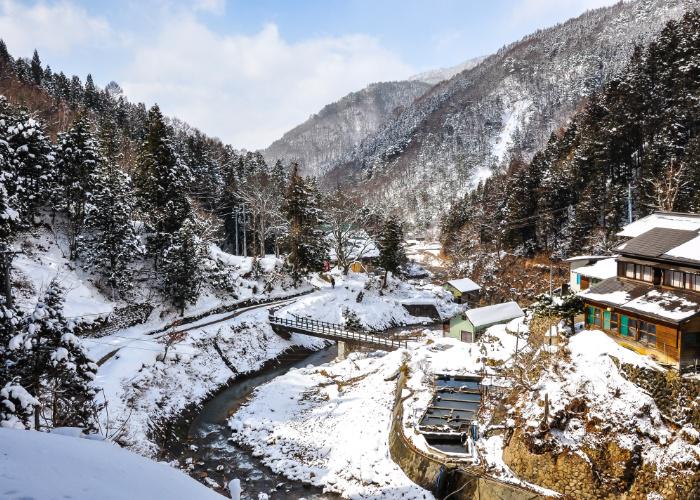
(629, 202)
(245, 241)
(6, 256)
(236, 226)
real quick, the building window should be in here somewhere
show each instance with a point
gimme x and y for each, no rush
(647, 333)
(632, 328)
(629, 270)
(647, 273)
(692, 282)
(596, 317)
(613, 321)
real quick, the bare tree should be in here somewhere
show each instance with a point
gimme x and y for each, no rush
(260, 194)
(665, 189)
(346, 220)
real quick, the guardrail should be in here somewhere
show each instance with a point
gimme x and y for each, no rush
(335, 331)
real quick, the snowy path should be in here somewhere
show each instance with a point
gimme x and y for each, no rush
(103, 349)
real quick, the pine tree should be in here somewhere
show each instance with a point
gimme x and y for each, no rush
(78, 159)
(55, 367)
(306, 245)
(182, 265)
(37, 69)
(161, 181)
(392, 255)
(32, 161)
(90, 95)
(110, 242)
(16, 406)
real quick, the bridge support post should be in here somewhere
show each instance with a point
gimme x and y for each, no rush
(345, 348)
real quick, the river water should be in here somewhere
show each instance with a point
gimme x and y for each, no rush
(214, 457)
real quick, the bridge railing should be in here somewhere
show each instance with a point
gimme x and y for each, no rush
(337, 331)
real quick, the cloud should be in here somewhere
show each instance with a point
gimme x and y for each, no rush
(59, 27)
(210, 6)
(250, 89)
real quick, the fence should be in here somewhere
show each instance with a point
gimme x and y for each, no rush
(335, 331)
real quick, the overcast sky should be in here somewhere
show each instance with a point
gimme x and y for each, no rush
(248, 71)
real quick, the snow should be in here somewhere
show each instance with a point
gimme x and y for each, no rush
(377, 309)
(629, 414)
(602, 269)
(689, 250)
(576, 258)
(42, 261)
(514, 117)
(684, 222)
(329, 425)
(661, 303)
(464, 285)
(53, 466)
(619, 297)
(491, 314)
(665, 304)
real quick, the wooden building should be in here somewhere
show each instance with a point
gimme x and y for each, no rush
(653, 304)
(468, 325)
(463, 290)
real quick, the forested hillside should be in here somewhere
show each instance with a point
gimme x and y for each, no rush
(131, 197)
(464, 129)
(332, 133)
(634, 146)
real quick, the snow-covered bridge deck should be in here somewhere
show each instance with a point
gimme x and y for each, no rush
(333, 331)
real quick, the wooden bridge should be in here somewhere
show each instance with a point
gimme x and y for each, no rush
(333, 331)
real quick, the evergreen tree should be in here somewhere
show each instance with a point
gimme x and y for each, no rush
(37, 69)
(32, 161)
(78, 159)
(16, 406)
(182, 265)
(55, 367)
(90, 95)
(392, 255)
(161, 181)
(306, 245)
(110, 243)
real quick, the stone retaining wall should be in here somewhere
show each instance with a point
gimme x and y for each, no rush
(423, 468)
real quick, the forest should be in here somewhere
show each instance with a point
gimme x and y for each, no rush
(631, 149)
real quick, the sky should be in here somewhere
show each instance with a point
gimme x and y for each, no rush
(248, 71)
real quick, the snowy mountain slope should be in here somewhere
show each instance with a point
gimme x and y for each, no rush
(441, 74)
(333, 132)
(44, 466)
(462, 129)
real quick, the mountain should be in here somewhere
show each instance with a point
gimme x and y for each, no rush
(436, 76)
(461, 130)
(331, 134)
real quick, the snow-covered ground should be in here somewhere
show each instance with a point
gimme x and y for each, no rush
(375, 308)
(37, 465)
(329, 425)
(142, 384)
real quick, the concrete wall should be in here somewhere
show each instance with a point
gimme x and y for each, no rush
(423, 468)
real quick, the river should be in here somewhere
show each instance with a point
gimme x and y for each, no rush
(214, 456)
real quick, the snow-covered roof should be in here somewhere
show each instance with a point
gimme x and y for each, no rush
(602, 269)
(670, 305)
(689, 250)
(489, 315)
(668, 220)
(577, 258)
(464, 285)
